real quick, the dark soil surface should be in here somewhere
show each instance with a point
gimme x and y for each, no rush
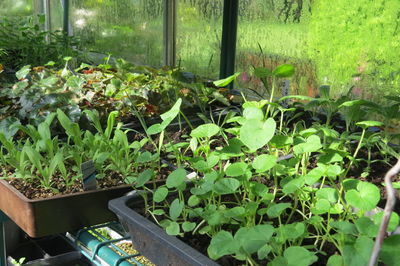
(33, 189)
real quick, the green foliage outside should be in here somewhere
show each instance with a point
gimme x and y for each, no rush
(15, 7)
(350, 38)
(339, 43)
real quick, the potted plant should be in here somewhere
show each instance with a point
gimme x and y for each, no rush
(45, 191)
(267, 192)
(138, 93)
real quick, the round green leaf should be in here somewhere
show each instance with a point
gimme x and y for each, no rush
(193, 201)
(366, 124)
(160, 194)
(321, 206)
(329, 194)
(256, 134)
(264, 162)
(262, 72)
(365, 197)
(290, 231)
(390, 254)
(344, 227)
(366, 227)
(393, 221)
(176, 178)
(144, 177)
(253, 113)
(283, 71)
(222, 244)
(236, 169)
(158, 212)
(188, 226)
(335, 260)
(176, 209)
(312, 144)
(173, 229)
(297, 256)
(276, 210)
(253, 238)
(226, 186)
(205, 131)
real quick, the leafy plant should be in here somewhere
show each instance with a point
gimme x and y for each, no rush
(25, 43)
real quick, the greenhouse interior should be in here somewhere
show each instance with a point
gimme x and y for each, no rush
(199, 132)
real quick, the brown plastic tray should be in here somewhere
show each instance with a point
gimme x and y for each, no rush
(42, 217)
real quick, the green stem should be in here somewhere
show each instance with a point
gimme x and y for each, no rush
(355, 152)
(271, 97)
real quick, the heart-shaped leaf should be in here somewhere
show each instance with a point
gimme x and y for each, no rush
(255, 134)
(173, 229)
(262, 72)
(393, 221)
(225, 82)
(188, 226)
(365, 197)
(160, 194)
(312, 144)
(236, 169)
(264, 162)
(205, 131)
(283, 71)
(226, 186)
(253, 113)
(276, 210)
(176, 209)
(366, 124)
(144, 177)
(251, 239)
(299, 256)
(176, 178)
(358, 253)
(222, 244)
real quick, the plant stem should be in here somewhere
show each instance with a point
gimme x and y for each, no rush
(355, 152)
(391, 201)
(271, 97)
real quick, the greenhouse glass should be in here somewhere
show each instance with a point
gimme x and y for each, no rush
(347, 45)
(269, 36)
(56, 17)
(129, 29)
(199, 32)
(16, 7)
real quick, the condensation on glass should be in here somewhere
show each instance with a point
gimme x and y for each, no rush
(130, 29)
(199, 29)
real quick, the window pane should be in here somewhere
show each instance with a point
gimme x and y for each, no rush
(56, 15)
(271, 33)
(199, 26)
(131, 29)
(15, 7)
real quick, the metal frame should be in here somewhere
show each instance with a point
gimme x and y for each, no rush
(3, 254)
(169, 32)
(228, 39)
(65, 5)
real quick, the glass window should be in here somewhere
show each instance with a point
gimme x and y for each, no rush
(16, 7)
(199, 29)
(271, 33)
(56, 15)
(131, 29)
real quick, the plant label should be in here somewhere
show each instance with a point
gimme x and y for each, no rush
(89, 175)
